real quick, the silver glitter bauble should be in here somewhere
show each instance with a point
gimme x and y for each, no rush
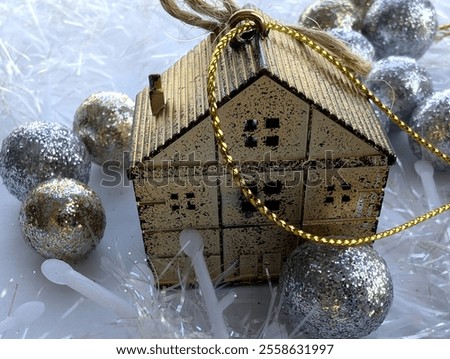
(335, 292)
(401, 84)
(356, 42)
(361, 8)
(401, 27)
(327, 14)
(38, 151)
(103, 121)
(62, 218)
(431, 120)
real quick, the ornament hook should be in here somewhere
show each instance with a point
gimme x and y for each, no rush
(249, 15)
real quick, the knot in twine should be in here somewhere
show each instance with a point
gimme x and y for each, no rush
(216, 18)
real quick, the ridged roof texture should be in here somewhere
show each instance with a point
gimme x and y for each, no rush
(289, 62)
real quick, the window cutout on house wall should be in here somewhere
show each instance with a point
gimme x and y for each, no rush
(251, 141)
(273, 205)
(272, 141)
(251, 125)
(345, 198)
(331, 188)
(174, 196)
(272, 122)
(175, 207)
(329, 200)
(191, 206)
(273, 188)
(190, 195)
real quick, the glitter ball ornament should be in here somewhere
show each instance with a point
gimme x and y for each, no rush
(357, 43)
(103, 121)
(362, 6)
(401, 27)
(335, 292)
(62, 218)
(328, 14)
(38, 151)
(432, 121)
(400, 83)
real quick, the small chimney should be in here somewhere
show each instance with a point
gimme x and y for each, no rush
(156, 93)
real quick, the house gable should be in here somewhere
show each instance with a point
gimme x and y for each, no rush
(265, 122)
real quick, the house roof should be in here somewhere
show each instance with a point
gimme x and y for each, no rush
(287, 61)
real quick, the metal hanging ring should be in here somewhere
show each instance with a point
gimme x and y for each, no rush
(249, 15)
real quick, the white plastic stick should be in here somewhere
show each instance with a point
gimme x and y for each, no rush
(22, 316)
(192, 244)
(227, 300)
(425, 171)
(60, 272)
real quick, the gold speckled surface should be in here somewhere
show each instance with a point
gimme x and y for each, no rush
(62, 218)
(291, 121)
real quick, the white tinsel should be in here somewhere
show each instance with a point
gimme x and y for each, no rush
(54, 54)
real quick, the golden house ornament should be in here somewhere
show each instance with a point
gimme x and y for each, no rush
(308, 144)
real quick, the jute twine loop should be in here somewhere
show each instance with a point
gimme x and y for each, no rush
(201, 14)
(216, 18)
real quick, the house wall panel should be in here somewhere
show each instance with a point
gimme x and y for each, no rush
(282, 192)
(252, 250)
(178, 202)
(265, 122)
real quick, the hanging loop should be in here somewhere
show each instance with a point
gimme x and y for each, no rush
(249, 15)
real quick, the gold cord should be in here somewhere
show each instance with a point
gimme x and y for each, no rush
(235, 171)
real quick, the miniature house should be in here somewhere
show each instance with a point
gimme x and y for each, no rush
(308, 142)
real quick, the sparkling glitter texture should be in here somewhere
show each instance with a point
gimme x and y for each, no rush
(335, 292)
(400, 83)
(62, 218)
(401, 27)
(361, 7)
(38, 151)
(432, 121)
(357, 43)
(328, 14)
(103, 121)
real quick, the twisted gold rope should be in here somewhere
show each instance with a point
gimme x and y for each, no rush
(235, 171)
